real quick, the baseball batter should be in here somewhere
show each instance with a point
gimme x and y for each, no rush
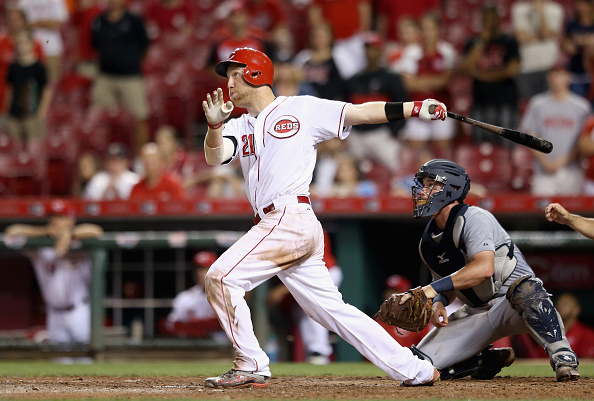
(63, 276)
(472, 258)
(275, 143)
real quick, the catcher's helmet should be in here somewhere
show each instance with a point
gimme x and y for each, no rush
(456, 184)
(258, 67)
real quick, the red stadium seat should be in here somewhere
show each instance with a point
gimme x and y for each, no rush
(24, 173)
(523, 167)
(487, 165)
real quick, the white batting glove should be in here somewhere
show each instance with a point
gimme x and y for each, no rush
(215, 110)
(429, 109)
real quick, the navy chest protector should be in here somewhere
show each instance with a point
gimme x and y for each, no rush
(447, 255)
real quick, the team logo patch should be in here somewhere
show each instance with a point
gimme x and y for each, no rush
(285, 127)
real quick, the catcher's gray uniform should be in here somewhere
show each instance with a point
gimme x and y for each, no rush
(487, 315)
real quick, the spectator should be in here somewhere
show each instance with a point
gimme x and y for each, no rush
(347, 19)
(398, 284)
(46, 18)
(318, 64)
(391, 13)
(492, 59)
(288, 80)
(401, 55)
(430, 79)
(116, 181)
(580, 336)
(191, 314)
(270, 17)
(63, 275)
(376, 83)
(165, 17)
(157, 184)
(284, 312)
(586, 150)
(557, 116)
(538, 26)
(175, 158)
(579, 35)
(88, 165)
(329, 155)
(237, 33)
(121, 42)
(16, 21)
(349, 181)
(29, 93)
(82, 18)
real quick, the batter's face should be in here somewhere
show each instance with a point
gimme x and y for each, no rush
(240, 92)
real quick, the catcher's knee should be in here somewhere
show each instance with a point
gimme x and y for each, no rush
(526, 292)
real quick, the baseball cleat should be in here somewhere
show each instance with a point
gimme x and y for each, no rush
(567, 373)
(237, 379)
(493, 360)
(434, 379)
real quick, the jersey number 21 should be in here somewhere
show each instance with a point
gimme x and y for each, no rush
(248, 145)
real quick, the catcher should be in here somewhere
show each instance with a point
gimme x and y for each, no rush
(471, 257)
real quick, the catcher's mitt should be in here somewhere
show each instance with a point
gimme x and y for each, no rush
(413, 315)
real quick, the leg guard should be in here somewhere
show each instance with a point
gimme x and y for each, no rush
(528, 296)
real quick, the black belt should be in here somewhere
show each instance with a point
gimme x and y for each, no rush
(270, 208)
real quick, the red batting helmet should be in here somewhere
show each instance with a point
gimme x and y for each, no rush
(258, 67)
(205, 259)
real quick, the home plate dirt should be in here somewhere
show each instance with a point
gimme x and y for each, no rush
(291, 388)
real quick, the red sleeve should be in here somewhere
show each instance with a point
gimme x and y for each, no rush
(136, 189)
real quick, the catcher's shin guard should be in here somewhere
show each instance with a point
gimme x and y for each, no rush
(528, 296)
(420, 354)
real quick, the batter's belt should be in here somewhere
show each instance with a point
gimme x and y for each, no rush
(270, 208)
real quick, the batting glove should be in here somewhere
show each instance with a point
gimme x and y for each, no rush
(215, 110)
(429, 109)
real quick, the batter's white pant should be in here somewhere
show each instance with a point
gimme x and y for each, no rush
(289, 242)
(470, 330)
(314, 336)
(72, 326)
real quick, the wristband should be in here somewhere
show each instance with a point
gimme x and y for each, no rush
(443, 285)
(394, 111)
(216, 126)
(442, 298)
(416, 109)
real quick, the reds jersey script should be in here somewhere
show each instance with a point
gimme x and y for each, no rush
(277, 150)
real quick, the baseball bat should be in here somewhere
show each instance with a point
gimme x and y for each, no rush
(542, 145)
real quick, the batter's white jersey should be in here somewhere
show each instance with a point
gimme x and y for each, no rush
(277, 149)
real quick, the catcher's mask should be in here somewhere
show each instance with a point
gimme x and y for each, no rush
(430, 199)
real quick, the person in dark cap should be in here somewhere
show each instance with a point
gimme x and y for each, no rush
(192, 315)
(63, 275)
(116, 181)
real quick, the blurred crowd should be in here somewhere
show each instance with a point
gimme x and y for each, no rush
(102, 98)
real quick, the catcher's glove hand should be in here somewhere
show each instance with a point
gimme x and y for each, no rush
(413, 315)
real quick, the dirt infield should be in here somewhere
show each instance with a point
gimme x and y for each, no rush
(291, 388)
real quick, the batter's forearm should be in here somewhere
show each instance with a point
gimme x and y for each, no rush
(373, 113)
